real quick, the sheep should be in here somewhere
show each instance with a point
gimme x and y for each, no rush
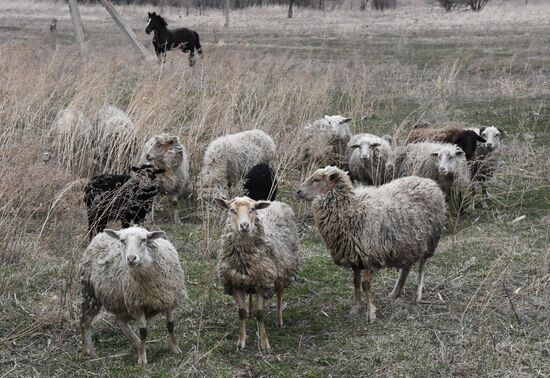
(89, 148)
(486, 159)
(260, 183)
(368, 156)
(326, 140)
(394, 226)
(228, 158)
(166, 152)
(259, 255)
(463, 138)
(127, 198)
(442, 162)
(134, 274)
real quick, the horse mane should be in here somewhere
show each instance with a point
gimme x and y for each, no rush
(162, 20)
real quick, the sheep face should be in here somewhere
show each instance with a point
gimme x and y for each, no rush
(338, 124)
(242, 213)
(162, 148)
(134, 242)
(319, 183)
(467, 141)
(448, 160)
(492, 136)
(366, 148)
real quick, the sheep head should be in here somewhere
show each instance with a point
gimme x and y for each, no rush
(163, 148)
(321, 182)
(492, 136)
(448, 160)
(135, 245)
(366, 146)
(242, 213)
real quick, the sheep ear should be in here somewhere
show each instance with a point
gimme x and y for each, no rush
(174, 140)
(262, 205)
(135, 169)
(224, 204)
(479, 138)
(434, 154)
(327, 117)
(459, 152)
(334, 176)
(346, 120)
(155, 235)
(149, 14)
(376, 144)
(502, 133)
(112, 233)
(159, 171)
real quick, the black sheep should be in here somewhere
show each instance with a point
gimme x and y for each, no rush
(124, 198)
(260, 183)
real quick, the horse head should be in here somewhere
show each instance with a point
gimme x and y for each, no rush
(155, 22)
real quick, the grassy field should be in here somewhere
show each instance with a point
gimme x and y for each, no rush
(485, 308)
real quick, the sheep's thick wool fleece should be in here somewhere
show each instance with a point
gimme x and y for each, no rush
(123, 290)
(393, 225)
(266, 260)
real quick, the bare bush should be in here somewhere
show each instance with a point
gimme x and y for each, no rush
(476, 5)
(384, 4)
(448, 5)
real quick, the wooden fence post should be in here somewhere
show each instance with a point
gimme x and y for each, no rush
(78, 28)
(125, 28)
(227, 6)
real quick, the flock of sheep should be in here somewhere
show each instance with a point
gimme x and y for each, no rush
(375, 206)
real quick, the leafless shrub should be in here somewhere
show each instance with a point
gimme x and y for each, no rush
(448, 5)
(384, 4)
(476, 5)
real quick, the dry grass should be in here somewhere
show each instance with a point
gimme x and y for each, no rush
(488, 286)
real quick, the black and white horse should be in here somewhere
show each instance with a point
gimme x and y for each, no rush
(165, 39)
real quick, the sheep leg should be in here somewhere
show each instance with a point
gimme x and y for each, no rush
(170, 326)
(280, 308)
(142, 325)
(260, 314)
(366, 284)
(356, 309)
(398, 288)
(239, 299)
(89, 309)
(129, 333)
(250, 305)
(176, 207)
(422, 267)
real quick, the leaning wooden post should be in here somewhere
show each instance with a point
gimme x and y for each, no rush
(53, 32)
(227, 6)
(125, 28)
(78, 28)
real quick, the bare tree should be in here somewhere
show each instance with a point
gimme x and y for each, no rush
(384, 4)
(448, 5)
(477, 5)
(290, 4)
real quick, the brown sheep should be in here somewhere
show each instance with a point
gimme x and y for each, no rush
(463, 138)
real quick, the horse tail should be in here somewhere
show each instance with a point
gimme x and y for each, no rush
(197, 42)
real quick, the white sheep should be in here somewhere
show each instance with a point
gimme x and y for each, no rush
(229, 158)
(325, 142)
(259, 255)
(368, 156)
(134, 274)
(166, 152)
(368, 228)
(486, 159)
(442, 162)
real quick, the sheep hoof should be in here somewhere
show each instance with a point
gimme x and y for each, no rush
(372, 317)
(176, 349)
(91, 352)
(241, 344)
(355, 310)
(393, 295)
(142, 360)
(266, 348)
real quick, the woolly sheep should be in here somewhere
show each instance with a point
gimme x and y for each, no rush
(259, 255)
(463, 138)
(260, 183)
(326, 140)
(486, 159)
(166, 152)
(391, 226)
(228, 158)
(367, 158)
(442, 162)
(88, 148)
(126, 198)
(134, 274)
